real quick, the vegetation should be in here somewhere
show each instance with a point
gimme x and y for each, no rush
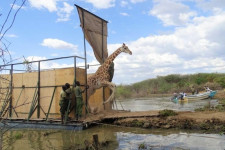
(167, 112)
(142, 146)
(170, 84)
(220, 107)
(18, 136)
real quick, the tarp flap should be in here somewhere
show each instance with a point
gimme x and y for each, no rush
(95, 31)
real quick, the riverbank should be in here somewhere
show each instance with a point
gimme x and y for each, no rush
(207, 121)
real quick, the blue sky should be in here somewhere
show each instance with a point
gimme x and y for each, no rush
(165, 36)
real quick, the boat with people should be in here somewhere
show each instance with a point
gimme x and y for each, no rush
(181, 97)
(199, 96)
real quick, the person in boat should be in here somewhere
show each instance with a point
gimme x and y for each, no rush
(182, 95)
(192, 90)
(63, 102)
(196, 92)
(175, 95)
(207, 89)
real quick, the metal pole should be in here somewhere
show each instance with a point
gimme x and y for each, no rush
(11, 92)
(86, 100)
(103, 89)
(75, 72)
(39, 77)
(75, 79)
(49, 108)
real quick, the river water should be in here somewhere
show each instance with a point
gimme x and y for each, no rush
(159, 103)
(120, 138)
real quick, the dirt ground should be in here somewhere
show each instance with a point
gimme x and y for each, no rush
(117, 115)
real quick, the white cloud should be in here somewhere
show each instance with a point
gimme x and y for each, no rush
(100, 4)
(197, 47)
(10, 35)
(17, 6)
(137, 1)
(64, 12)
(59, 44)
(123, 3)
(172, 12)
(47, 4)
(54, 54)
(211, 5)
(124, 14)
(47, 64)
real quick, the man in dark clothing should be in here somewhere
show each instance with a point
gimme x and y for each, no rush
(79, 99)
(63, 103)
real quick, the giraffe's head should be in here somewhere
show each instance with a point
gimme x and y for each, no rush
(125, 49)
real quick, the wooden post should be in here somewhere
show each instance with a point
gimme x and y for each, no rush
(1, 138)
(95, 141)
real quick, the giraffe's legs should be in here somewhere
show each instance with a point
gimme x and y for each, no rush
(112, 86)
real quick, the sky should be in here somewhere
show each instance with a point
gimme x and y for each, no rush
(165, 36)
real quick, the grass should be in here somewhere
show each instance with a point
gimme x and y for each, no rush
(18, 135)
(220, 107)
(142, 146)
(167, 112)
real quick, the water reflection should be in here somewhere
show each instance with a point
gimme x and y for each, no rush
(120, 138)
(181, 141)
(146, 104)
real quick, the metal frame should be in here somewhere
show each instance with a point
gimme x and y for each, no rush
(38, 87)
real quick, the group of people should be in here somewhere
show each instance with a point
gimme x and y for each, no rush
(66, 96)
(179, 96)
(182, 95)
(207, 89)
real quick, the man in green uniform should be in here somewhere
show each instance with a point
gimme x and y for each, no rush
(69, 91)
(79, 100)
(63, 103)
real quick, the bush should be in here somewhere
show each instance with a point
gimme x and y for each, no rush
(221, 81)
(167, 112)
(123, 92)
(18, 135)
(173, 78)
(142, 146)
(200, 80)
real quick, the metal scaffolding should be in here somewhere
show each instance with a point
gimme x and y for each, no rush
(35, 104)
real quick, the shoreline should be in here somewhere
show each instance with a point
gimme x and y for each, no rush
(208, 122)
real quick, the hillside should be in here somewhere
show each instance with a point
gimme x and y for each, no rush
(172, 83)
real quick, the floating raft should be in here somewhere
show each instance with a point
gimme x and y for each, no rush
(74, 125)
(42, 124)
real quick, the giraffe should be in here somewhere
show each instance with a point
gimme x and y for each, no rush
(101, 77)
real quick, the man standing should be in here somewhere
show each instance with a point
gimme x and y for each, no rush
(63, 103)
(79, 100)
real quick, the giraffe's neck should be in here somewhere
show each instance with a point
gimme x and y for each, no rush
(110, 59)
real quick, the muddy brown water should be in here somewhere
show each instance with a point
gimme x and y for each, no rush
(120, 138)
(160, 103)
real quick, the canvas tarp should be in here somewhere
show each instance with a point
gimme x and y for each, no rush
(95, 31)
